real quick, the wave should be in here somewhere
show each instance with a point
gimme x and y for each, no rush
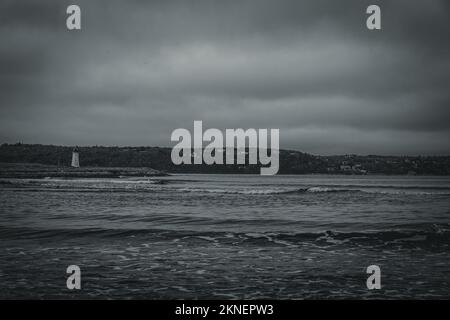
(390, 186)
(84, 185)
(152, 185)
(436, 235)
(269, 191)
(236, 191)
(312, 190)
(85, 181)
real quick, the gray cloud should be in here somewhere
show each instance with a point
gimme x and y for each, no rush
(140, 69)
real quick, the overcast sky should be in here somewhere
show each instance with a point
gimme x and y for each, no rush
(140, 69)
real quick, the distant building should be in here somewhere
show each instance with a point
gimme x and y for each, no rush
(75, 158)
(345, 168)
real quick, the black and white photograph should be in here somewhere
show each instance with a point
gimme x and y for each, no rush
(242, 150)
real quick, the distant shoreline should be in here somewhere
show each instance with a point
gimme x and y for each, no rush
(108, 160)
(37, 171)
(41, 171)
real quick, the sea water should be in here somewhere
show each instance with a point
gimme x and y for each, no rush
(226, 236)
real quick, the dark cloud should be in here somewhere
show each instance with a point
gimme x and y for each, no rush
(139, 69)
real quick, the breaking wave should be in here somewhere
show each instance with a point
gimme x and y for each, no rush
(154, 185)
(433, 236)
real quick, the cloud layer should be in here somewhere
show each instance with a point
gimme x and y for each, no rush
(140, 69)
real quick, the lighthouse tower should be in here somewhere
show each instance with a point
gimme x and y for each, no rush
(75, 158)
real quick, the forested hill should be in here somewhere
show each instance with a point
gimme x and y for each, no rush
(291, 162)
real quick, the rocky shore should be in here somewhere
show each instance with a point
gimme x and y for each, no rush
(38, 171)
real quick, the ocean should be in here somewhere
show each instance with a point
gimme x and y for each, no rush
(226, 237)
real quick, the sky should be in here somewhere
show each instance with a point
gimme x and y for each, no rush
(137, 70)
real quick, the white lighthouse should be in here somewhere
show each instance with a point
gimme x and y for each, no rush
(75, 158)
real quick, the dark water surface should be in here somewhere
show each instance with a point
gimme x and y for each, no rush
(226, 236)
